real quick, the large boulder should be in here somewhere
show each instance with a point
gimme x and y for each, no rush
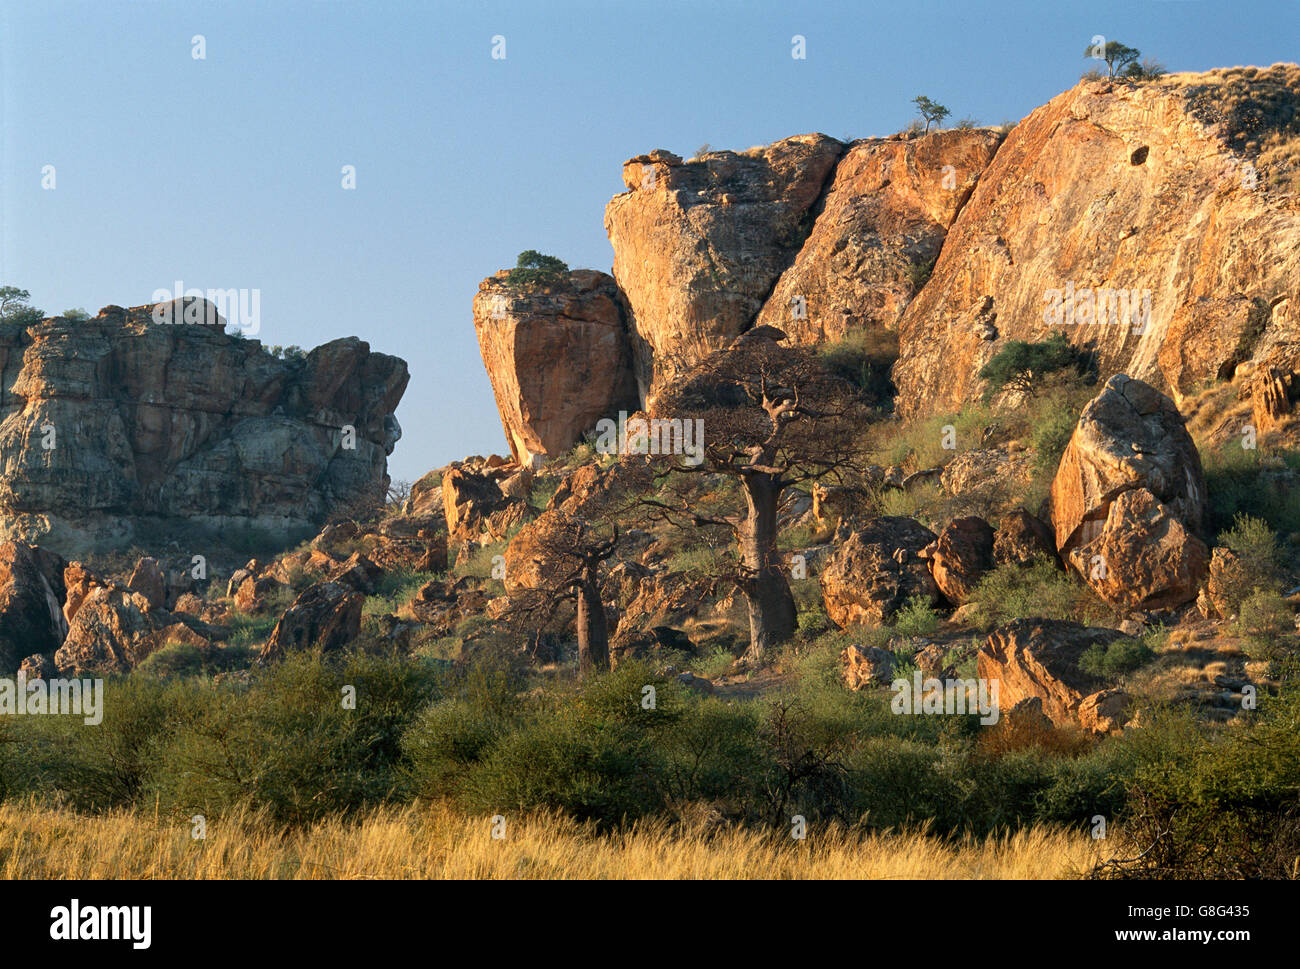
(699, 244)
(326, 616)
(1129, 497)
(31, 595)
(960, 557)
(1144, 558)
(558, 357)
(876, 570)
(1040, 658)
(1129, 437)
(1021, 538)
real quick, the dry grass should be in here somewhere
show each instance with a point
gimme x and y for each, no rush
(1258, 109)
(435, 842)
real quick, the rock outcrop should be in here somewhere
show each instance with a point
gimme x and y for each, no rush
(475, 503)
(110, 421)
(698, 245)
(115, 629)
(880, 225)
(31, 599)
(1142, 188)
(559, 359)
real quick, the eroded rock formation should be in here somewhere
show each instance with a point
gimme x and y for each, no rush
(558, 358)
(108, 422)
(1140, 188)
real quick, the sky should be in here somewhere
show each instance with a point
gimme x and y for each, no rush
(226, 172)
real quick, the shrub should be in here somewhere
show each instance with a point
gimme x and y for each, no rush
(534, 270)
(1116, 659)
(1267, 624)
(1020, 365)
(917, 617)
(1041, 589)
(1257, 566)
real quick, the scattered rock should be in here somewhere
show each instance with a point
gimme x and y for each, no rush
(960, 557)
(876, 570)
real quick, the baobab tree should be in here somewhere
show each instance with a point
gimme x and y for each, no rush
(569, 552)
(772, 418)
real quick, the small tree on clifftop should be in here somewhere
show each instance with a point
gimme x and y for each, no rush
(536, 269)
(931, 111)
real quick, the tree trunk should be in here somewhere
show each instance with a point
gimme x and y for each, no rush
(767, 593)
(593, 633)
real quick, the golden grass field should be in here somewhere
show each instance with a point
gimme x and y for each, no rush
(435, 842)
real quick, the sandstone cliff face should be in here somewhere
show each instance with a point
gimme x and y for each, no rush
(698, 245)
(559, 360)
(1126, 187)
(884, 217)
(116, 420)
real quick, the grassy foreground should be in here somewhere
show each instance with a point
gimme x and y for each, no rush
(415, 842)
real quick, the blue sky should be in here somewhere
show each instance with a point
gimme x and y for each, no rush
(225, 172)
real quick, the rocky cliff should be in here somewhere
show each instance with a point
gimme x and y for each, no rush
(117, 424)
(1154, 223)
(698, 245)
(1146, 189)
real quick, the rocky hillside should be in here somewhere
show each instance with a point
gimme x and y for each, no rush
(1171, 203)
(1118, 187)
(115, 426)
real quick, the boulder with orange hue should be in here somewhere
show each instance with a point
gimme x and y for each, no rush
(475, 506)
(698, 245)
(1129, 437)
(1144, 557)
(559, 359)
(960, 557)
(1040, 658)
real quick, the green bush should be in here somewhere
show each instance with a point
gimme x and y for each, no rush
(917, 617)
(1021, 365)
(1114, 660)
(1039, 590)
(535, 270)
(1266, 622)
(1258, 560)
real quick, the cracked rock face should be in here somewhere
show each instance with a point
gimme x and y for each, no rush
(115, 421)
(698, 245)
(1123, 187)
(884, 217)
(558, 358)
